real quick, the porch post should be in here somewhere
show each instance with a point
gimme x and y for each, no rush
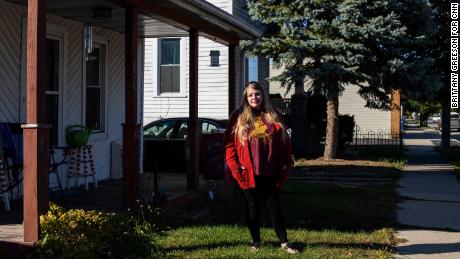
(193, 132)
(231, 78)
(36, 133)
(395, 112)
(131, 127)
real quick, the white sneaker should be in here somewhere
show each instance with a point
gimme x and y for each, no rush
(255, 247)
(290, 250)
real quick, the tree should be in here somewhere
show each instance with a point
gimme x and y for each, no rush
(440, 52)
(331, 44)
(405, 63)
(423, 108)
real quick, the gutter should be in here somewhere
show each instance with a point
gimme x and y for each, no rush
(207, 10)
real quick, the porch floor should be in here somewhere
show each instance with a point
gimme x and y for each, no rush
(107, 197)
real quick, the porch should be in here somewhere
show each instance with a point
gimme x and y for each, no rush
(132, 20)
(107, 197)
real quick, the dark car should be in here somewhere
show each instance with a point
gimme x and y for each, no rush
(165, 142)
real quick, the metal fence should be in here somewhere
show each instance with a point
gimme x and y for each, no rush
(283, 105)
(380, 143)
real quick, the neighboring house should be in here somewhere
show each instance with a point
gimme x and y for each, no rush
(350, 102)
(166, 73)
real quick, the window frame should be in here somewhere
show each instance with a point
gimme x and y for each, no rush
(251, 75)
(101, 42)
(182, 69)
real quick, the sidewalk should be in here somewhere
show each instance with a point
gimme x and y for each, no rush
(429, 211)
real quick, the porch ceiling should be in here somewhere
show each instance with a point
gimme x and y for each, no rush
(163, 18)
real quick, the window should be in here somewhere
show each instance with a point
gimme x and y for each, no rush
(52, 88)
(252, 69)
(169, 58)
(214, 54)
(95, 80)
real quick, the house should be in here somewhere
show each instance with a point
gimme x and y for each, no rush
(166, 73)
(351, 103)
(69, 101)
(48, 76)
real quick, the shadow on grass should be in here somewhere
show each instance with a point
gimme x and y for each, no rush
(319, 218)
(349, 170)
(270, 244)
(305, 205)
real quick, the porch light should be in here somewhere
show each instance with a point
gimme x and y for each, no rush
(214, 58)
(88, 38)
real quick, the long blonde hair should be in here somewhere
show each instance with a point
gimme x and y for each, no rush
(247, 118)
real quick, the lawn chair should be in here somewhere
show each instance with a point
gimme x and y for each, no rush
(4, 187)
(10, 166)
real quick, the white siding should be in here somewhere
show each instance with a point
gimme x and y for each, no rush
(275, 86)
(367, 119)
(212, 84)
(114, 94)
(10, 61)
(212, 81)
(350, 102)
(72, 84)
(225, 5)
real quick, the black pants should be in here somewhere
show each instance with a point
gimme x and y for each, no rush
(267, 193)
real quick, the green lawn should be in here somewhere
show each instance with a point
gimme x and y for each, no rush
(324, 221)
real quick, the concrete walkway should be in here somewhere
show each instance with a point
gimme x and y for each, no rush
(429, 211)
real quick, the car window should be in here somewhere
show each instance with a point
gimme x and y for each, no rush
(182, 134)
(160, 129)
(208, 127)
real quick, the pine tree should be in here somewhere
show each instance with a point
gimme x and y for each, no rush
(330, 43)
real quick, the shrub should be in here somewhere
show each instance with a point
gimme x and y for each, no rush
(78, 233)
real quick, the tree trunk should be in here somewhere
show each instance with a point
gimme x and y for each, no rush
(445, 114)
(423, 119)
(445, 120)
(332, 128)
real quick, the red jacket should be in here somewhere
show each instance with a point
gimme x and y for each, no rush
(237, 154)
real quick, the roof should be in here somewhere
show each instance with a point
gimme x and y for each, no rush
(159, 18)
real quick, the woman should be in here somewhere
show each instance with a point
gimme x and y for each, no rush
(258, 154)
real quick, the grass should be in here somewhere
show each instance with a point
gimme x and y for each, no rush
(350, 168)
(231, 242)
(381, 152)
(324, 221)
